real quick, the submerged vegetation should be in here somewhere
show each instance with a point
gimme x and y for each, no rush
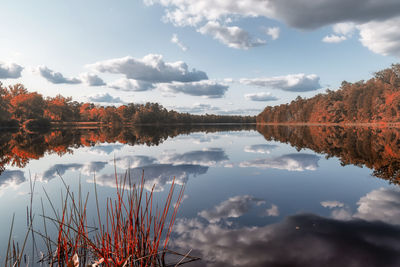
(19, 107)
(376, 100)
(131, 230)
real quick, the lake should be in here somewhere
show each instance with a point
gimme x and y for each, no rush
(254, 196)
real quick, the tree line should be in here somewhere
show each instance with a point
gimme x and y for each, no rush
(376, 100)
(18, 106)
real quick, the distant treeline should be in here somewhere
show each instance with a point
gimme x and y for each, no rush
(377, 100)
(20, 107)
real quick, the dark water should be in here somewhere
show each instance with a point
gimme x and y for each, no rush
(265, 196)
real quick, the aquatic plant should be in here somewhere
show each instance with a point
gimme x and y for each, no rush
(132, 231)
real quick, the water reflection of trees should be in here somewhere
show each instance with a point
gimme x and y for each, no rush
(17, 148)
(375, 148)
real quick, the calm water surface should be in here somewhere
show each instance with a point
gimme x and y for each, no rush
(271, 196)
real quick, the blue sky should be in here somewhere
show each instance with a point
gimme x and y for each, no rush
(225, 57)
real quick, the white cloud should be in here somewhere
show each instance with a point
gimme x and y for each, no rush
(262, 96)
(292, 82)
(332, 204)
(105, 149)
(60, 169)
(380, 205)
(234, 207)
(105, 98)
(206, 157)
(175, 40)
(197, 108)
(206, 88)
(334, 38)
(93, 167)
(10, 71)
(290, 162)
(381, 37)
(273, 32)
(232, 36)
(131, 85)
(157, 175)
(55, 77)
(151, 68)
(11, 178)
(344, 28)
(273, 211)
(302, 14)
(376, 19)
(129, 162)
(92, 79)
(260, 148)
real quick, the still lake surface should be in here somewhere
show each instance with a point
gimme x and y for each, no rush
(255, 196)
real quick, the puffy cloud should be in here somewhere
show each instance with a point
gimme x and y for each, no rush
(206, 88)
(334, 38)
(299, 240)
(344, 28)
(189, 12)
(380, 205)
(261, 97)
(197, 108)
(11, 178)
(151, 68)
(176, 41)
(129, 162)
(105, 98)
(92, 79)
(273, 32)
(232, 36)
(10, 71)
(157, 175)
(206, 157)
(260, 148)
(381, 37)
(292, 82)
(290, 162)
(56, 77)
(60, 169)
(105, 149)
(302, 14)
(342, 32)
(234, 207)
(332, 204)
(377, 20)
(92, 167)
(273, 211)
(131, 85)
(340, 211)
(198, 138)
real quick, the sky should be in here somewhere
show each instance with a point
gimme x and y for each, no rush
(196, 56)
